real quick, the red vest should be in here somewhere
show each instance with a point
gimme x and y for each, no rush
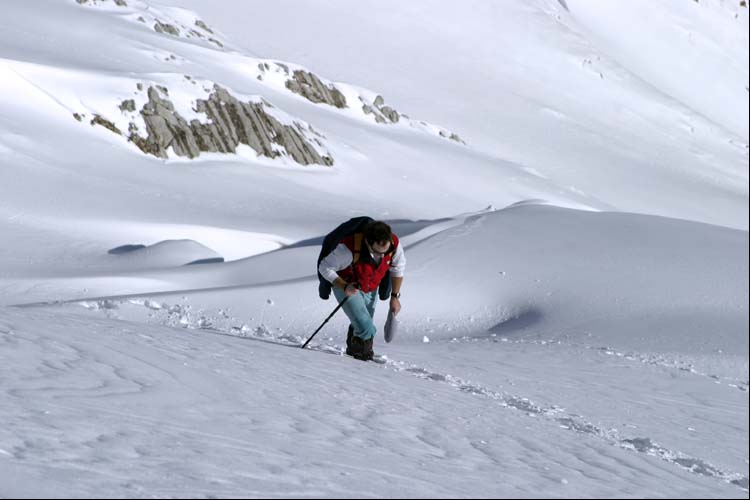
(365, 271)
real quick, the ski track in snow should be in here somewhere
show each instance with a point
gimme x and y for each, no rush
(179, 316)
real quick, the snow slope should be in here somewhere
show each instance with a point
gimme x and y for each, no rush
(590, 382)
(575, 309)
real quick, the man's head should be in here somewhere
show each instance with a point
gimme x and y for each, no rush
(378, 237)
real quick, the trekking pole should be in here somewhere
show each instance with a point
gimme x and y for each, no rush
(326, 321)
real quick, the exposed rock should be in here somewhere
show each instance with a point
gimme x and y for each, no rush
(455, 137)
(214, 40)
(230, 123)
(120, 3)
(165, 128)
(369, 110)
(127, 105)
(201, 24)
(145, 145)
(77, 117)
(390, 113)
(382, 113)
(452, 136)
(98, 120)
(311, 88)
(160, 27)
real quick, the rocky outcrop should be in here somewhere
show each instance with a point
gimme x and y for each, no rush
(99, 120)
(314, 89)
(230, 123)
(304, 83)
(311, 88)
(381, 112)
(127, 105)
(161, 27)
(203, 26)
(119, 3)
(452, 136)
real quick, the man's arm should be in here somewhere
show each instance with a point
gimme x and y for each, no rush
(398, 266)
(339, 259)
(395, 304)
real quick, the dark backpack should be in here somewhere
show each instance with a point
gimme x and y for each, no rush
(355, 226)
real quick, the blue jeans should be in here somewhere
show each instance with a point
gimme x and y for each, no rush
(360, 309)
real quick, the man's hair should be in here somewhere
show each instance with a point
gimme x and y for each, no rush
(377, 232)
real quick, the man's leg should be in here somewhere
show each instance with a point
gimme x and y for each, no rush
(371, 300)
(358, 309)
(349, 345)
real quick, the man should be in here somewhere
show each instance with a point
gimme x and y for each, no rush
(359, 279)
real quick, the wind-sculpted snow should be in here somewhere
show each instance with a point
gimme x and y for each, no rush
(502, 402)
(587, 338)
(655, 395)
(168, 253)
(578, 424)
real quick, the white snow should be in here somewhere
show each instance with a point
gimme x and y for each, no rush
(575, 309)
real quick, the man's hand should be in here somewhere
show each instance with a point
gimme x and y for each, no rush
(395, 305)
(351, 289)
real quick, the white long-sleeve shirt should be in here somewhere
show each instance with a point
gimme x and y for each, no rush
(342, 257)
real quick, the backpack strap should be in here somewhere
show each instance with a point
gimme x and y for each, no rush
(358, 237)
(356, 254)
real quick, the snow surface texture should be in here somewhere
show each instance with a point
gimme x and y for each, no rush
(575, 308)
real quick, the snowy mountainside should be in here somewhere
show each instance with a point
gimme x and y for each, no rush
(569, 179)
(566, 89)
(53, 68)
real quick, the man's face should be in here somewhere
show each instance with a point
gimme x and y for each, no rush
(381, 247)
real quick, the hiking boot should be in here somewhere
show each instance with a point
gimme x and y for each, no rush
(367, 353)
(349, 336)
(357, 349)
